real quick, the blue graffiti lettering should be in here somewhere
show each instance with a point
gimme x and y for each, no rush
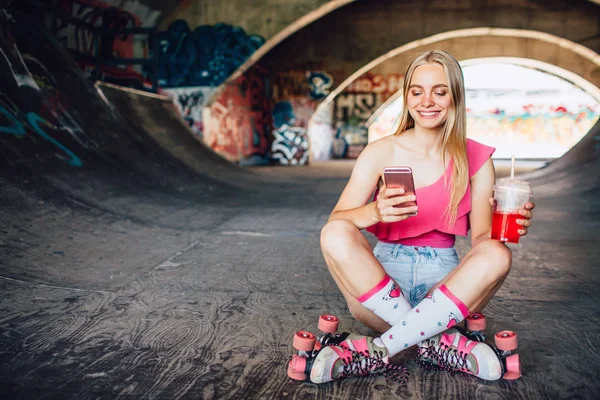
(320, 84)
(16, 129)
(34, 121)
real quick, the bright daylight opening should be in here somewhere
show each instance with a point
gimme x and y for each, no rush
(518, 109)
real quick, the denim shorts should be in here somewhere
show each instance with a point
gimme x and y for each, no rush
(415, 269)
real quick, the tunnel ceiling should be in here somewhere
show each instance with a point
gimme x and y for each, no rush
(497, 43)
(348, 38)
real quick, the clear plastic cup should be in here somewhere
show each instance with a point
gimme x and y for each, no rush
(510, 195)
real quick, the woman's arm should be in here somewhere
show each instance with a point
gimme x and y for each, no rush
(352, 204)
(482, 188)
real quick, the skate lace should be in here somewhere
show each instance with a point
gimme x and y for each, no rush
(362, 364)
(441, 357)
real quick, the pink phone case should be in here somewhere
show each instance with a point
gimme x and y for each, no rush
(400, 177)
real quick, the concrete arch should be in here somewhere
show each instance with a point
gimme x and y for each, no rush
(574, 79)
(570, 61)
(571, 58)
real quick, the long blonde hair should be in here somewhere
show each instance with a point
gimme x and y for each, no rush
(454, 141)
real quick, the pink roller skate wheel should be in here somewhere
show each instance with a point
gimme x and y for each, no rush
(506, 340)
(476, 322)
(296, 368)
(304, 341)
(513, 368)
(328, 323)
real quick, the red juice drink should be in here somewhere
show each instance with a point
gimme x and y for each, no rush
(510, 196)
(505, 227)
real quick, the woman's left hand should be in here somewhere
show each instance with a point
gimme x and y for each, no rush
(526, 212)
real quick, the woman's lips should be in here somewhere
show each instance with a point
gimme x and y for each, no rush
(429, 114)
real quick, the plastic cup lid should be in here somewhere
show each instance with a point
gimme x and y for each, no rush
(513, 185)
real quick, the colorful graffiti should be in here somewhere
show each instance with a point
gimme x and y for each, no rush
(290, 84)
(356, 105)
(39, 107)
(320, 84)
(16, 123)
(75, 27)
(238, 123)
(546, 134)
(190, 103)
(351, 112)
(350, 140)
(290, 122)
(205, 56)
(380, 84)
(529, 131)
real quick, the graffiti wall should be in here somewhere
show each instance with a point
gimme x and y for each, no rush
(75, 24)
(296, 95)
(32, 108)
(190, 102)
(237, 125)
(355, 106)
(545, 130)
(546, 133)
(205, 56)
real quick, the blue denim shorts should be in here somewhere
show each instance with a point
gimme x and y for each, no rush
(415, 269)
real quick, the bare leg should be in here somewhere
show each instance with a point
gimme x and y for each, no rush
(353, 267)
(480, 274)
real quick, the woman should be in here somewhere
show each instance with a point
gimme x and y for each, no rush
(453, 178)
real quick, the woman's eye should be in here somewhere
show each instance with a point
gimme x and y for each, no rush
(416, 93)
(441, 93)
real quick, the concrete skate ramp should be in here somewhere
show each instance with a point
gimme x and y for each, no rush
(155, 118)
(134, 263)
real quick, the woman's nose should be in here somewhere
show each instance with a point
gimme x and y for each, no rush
(428, 100)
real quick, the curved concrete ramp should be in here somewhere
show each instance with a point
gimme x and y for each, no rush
(145, 272)
(155, 118)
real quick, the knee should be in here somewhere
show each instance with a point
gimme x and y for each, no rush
(357, 311)
(338, 236)
(498, 257)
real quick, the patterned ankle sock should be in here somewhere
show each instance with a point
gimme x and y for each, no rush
(386, 301)
(434, 314)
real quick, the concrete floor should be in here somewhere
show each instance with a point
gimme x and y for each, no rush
(203, 301)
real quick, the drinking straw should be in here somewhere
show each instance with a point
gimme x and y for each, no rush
(512, 167)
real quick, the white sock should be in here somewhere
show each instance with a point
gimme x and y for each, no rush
(386, 301)
(434, 314)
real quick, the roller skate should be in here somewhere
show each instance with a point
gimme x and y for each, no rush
(330, 356)
(453, 351)
(505, 343)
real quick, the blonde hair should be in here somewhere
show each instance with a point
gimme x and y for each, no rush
(454, 141)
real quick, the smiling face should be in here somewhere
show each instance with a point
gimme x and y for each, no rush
(428, 99)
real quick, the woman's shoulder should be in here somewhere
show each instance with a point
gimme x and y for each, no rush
(478, 154)
(475, 147)
(382, 147)
(378, 154)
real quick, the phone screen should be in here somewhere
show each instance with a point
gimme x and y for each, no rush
(400, 177)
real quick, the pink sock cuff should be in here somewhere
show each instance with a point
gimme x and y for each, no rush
(376, 289)
(461, 306)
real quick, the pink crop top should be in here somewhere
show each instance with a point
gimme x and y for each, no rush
(429, 228)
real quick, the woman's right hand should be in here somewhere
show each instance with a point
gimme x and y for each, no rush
(387, 199)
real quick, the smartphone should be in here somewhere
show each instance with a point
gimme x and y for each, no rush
(401, 177)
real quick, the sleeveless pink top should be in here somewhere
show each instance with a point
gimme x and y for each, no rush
(429, 227)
